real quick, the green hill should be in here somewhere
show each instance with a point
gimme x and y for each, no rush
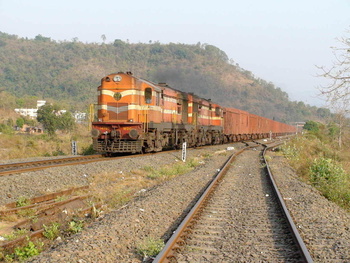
(69, 73)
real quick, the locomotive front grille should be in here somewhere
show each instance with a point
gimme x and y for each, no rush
(117, 111)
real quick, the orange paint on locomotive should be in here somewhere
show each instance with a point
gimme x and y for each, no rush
(135, 114)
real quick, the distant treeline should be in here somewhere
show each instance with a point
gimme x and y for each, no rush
(69, 72)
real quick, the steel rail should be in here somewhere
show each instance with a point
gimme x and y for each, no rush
(40, 162)
(14, 168)
(6, 169)
(176, 238)
(31, 166)
(297, 238)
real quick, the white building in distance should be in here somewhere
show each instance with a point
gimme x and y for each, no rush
(31, 113)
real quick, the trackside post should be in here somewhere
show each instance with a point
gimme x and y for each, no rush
(184, 152)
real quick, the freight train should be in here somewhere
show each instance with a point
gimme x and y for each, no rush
(135, 115)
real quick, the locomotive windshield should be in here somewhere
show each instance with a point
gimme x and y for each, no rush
(148, 95)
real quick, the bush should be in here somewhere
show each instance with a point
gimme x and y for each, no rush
(173, 170)
(6, 129)
(20, 122)
(52, 231)
(30, 250)
(75, 226)
(88, 150)
(22, 201)
(150, 247)
(315, 159)
(58, 152)
(312, 126)
(324, 169)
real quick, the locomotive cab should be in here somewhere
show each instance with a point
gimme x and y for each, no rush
(117, 128)
(125, 106)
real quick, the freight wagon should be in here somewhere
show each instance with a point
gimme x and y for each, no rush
(136, 115)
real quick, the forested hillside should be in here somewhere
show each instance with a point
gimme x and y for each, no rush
(69, 73)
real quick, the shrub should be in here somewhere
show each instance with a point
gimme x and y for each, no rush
(22, 201)
(324, 169)
(58, 152)
(88, 150)
(312, 126)
(6, 129)
(16, 234)
(52, 231)
(168, 171)
(290, 151)
(28, 251)
(150, 247)
(75, 226)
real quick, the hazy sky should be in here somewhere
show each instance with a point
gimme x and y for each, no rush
(277, 40)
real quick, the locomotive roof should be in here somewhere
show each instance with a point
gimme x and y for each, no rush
(160, 86)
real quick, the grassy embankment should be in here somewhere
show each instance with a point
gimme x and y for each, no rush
(24, 145)
(318, 160)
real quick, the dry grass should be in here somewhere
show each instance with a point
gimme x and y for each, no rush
(333, 181)
(20, 145)
(116, 189)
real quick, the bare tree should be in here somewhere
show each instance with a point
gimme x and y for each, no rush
(338, 88)
(337, 92)
(341, 111)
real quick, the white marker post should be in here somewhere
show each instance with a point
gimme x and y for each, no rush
(74, 148)
(184, 152)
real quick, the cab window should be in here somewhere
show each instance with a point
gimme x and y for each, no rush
(148, 95)
(217, 111)
(157, 98)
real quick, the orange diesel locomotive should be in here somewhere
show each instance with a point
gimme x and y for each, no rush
(136, 115)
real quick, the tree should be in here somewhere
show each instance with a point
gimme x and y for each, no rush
(52, 119)
(48, 118)
(339, 74)
(66, 122)
(20, 122)
(337, 91)
(340, 117)
(42, 38)
(311, 126)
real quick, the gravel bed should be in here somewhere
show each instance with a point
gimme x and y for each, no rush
(114, 237)
(55, 179)
(242, 221)
(153, 214)
(323, 225)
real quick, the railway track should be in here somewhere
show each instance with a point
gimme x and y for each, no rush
(59, 207)
(239, 218)
(12, 168)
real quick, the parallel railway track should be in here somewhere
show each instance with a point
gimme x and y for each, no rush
(59, 207)
(239, 218)
(12, 168)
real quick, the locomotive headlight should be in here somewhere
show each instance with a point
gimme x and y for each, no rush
(133, 134)
(117, 78)
(95, 133)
